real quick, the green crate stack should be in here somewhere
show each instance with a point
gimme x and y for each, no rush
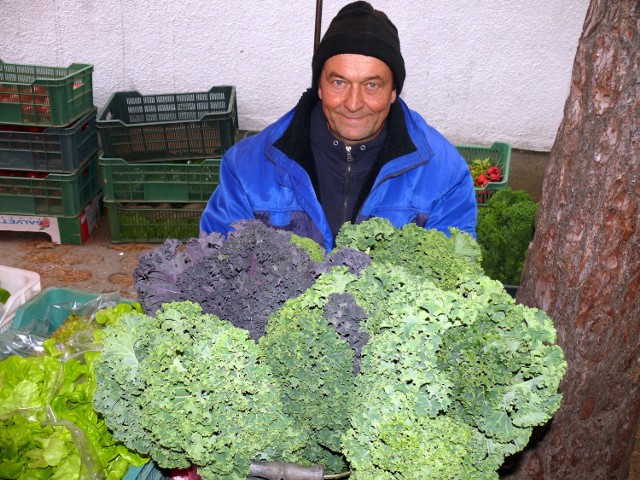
(150, 202)
(49, 146)
(499, 154)
(161, 160)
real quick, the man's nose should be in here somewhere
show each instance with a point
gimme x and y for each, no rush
(354, 100)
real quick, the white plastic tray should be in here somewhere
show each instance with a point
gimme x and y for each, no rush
(22, 285)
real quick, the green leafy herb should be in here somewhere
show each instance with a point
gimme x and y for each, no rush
(505, 229)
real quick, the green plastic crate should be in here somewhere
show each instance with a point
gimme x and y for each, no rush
(500, 155)
(172, 126)
(49, 149)
(58, 194)
(45, 96)
(68, 230)
(153, 223)
(190, 181)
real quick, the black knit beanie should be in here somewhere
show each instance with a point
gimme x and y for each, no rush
(360, 29)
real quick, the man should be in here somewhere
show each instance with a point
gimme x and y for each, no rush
(351, 149)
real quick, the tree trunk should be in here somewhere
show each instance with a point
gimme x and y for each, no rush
(583, 266)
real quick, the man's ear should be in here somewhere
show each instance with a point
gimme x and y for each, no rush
(394, 95)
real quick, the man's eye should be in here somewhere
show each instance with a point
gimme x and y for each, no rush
(338, 83)
(372, 85)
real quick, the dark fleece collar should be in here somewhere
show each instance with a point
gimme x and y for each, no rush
(295, 142)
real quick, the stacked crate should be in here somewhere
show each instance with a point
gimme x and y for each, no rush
(161, 160)
(49, 147)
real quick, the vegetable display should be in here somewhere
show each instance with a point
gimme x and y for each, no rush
(241, 279)
(48, 426)
(505, 229)
(394, 356)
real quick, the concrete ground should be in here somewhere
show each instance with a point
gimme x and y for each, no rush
(105, 267)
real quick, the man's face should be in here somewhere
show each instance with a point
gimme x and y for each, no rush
(356, 92)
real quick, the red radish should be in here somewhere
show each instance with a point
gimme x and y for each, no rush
(482, 180)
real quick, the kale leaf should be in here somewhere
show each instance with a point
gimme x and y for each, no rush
(313, 366)
(451, 382)
(447, 261)
(242, 278)
(344, 314)
(188, 388)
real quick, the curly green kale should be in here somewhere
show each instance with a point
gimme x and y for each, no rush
(400, 360)
(188, 388)
(313, 366)
(505, 229)
(459, 376)
(447, 261)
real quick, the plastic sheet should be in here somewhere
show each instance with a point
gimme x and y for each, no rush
(90, 468)
(27, 339)
(21, 342)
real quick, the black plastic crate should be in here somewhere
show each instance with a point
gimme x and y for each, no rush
(175, 126)
(49, 149)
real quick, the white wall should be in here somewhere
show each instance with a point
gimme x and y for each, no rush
(478, 71)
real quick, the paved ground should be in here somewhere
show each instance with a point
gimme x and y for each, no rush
(102, 266)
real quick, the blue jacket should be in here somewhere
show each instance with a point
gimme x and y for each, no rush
(269, 176)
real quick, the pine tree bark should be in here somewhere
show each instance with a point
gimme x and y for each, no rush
(583, 266)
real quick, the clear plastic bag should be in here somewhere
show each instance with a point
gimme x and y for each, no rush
(22, 342)
(63, 404)
(35, 414)
(28, 340)
(90, 468)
